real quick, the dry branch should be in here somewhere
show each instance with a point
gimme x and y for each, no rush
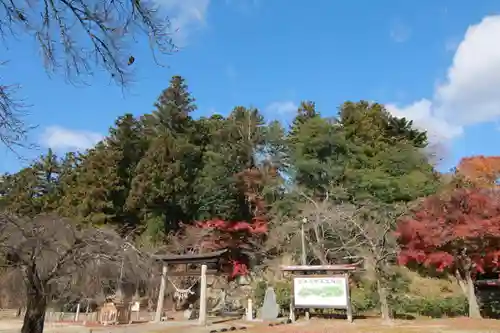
(78, 37)
(81, 35)
(62, 261)
(337, 232)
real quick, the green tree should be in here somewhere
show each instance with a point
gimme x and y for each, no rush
(239, 166)
(318, 155)
(215, 189)
(97, 189)
(305, 112)
(33, 189)
(364, 153)
(165, 175)
(372, 123)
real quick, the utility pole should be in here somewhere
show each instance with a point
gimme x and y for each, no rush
(303, 239)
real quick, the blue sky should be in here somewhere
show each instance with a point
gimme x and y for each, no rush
(436, 62)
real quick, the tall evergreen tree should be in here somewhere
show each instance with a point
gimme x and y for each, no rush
(34, 189)
(102, 182)
(165, 175)
(363, 154)
(305, 112)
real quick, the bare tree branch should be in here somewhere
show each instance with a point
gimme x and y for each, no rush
(13, 129)
(80, 36)
(336, 232)
(61, 260)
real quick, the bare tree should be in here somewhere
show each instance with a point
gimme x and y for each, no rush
(13, 130)
(55, 256)
(338, 232)
(82, 35)
(319, 218)
(79, 37)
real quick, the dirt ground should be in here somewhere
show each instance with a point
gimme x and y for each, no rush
(455, 325)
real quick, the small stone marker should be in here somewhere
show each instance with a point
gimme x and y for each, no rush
(270, 309)
(190, 313)
(136, 307)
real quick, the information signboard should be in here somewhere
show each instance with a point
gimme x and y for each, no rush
(320, 292)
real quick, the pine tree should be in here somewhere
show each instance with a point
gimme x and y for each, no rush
(163, 183)
(306, 111)
(34, 189)
(102, 182)
(367, 153)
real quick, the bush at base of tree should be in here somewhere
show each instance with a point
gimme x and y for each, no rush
(451, 306)
(364, 298)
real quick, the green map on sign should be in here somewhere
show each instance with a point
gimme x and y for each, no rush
(321, 291)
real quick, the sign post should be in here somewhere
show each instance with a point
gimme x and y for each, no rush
(321, 291)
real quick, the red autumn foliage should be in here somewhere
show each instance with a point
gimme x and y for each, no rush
(241, 238)
(444, 226)
(252, 182)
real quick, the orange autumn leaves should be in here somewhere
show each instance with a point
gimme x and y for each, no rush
(480, 171)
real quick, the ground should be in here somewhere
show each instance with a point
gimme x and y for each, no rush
(456, 325)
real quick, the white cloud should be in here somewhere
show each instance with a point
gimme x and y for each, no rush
(185, 16)
(282, 108)
(59, 138)
(421, 114)
(470, 94)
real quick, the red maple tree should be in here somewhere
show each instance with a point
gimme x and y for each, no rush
(241, 238)
(458, 232)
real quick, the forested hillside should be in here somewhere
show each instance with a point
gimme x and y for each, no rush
(248, 183)
(156, 172)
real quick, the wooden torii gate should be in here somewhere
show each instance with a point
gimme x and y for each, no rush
(204, 259)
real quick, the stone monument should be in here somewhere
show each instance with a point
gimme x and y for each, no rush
(270, 309)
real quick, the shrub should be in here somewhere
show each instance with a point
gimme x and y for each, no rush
(451, 306)
(259, 293)
(363, 297)
(283, 290)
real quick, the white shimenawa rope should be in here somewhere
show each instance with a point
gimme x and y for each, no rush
(182, 294)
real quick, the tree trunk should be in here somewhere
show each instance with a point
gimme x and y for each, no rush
(474, 310)
(384, 304)
(34, 317)
(466, 283)
(319, 254)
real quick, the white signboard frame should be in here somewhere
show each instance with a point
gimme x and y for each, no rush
(328, 292)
